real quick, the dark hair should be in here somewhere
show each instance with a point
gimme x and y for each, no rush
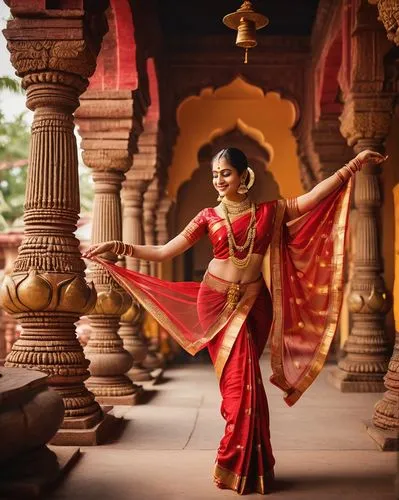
(235, 157)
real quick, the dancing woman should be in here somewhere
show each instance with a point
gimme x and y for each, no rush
(232, 312)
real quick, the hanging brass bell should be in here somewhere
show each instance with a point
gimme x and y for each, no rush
(246, 34)
(246, 21)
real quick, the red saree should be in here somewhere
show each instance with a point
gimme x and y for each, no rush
(233, 321)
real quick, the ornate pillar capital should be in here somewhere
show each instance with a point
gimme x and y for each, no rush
(366, 119)
(388, 11)
(50, 48)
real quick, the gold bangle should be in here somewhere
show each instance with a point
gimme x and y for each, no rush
(292, 205)
(340, 177)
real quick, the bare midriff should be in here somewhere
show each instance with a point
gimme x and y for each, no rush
(226, 270)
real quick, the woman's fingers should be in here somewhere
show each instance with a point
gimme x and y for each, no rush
(97, 249)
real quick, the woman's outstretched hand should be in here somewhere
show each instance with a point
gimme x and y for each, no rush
(367, 156)
(99, 248)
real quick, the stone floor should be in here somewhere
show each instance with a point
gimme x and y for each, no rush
(167, 448)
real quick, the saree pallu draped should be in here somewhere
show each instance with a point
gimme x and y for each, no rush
(233, 321)
(307, 263)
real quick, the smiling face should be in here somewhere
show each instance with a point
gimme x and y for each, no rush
(226, 179)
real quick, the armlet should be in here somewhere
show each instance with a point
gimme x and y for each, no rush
(192, 232)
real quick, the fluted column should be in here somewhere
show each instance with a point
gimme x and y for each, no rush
(365, 123)
(132, 320)
(367, 348)
(385, 424)
(46, 291)
(384, 428)
(108, 126)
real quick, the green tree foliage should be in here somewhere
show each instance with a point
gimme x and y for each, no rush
(14, 149)
(7, 83)
(14, 144)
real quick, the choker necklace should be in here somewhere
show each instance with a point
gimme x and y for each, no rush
(236, 207)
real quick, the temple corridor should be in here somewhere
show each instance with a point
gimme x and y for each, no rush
(168, 446)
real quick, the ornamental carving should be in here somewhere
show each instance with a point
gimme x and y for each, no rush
(33, 291)
(114, 302)
(375, 302)
(70, 56)
(388, 11)
(366, 117)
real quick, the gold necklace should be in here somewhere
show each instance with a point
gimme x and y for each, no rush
(249, 240)
(236, 207)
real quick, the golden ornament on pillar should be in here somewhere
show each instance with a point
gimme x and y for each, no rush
(246, 21)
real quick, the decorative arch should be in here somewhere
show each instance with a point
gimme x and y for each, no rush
(267, 117)
(116, 63)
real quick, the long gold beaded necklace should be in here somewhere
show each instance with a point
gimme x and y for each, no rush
(230, 207)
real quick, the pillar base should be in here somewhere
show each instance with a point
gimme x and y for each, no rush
(386, 440)
(85, 422)
(139, 374)
(356, 382)
(92, 436)
(129, 400)
(34, 473)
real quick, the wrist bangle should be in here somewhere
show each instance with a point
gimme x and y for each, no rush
(340, 177)
(292, 205)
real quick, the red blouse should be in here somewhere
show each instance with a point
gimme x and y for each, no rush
(208, 221)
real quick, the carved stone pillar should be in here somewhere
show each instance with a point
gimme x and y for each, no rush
(132, 320)
(385, 425)
(365, 123)
(47, 291)
(106, 124)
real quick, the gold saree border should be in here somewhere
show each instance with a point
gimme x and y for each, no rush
(227, 316)
(251, 292)
(237, 483)
(294, 393)
(277, 297)
(191, 347)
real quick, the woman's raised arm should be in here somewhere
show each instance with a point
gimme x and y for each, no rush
(306, 202)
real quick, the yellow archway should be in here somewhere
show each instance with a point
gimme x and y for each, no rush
(266, 117)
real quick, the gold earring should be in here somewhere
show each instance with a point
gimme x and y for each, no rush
(243, 187)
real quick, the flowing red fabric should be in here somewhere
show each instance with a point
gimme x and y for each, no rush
(233, 321)
(307, 259)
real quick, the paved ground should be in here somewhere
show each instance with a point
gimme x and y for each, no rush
(167, 449)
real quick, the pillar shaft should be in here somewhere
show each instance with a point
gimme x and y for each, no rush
(365, 123)
(132, 321)
(46, 291)
(386, 411)
(108, 126)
